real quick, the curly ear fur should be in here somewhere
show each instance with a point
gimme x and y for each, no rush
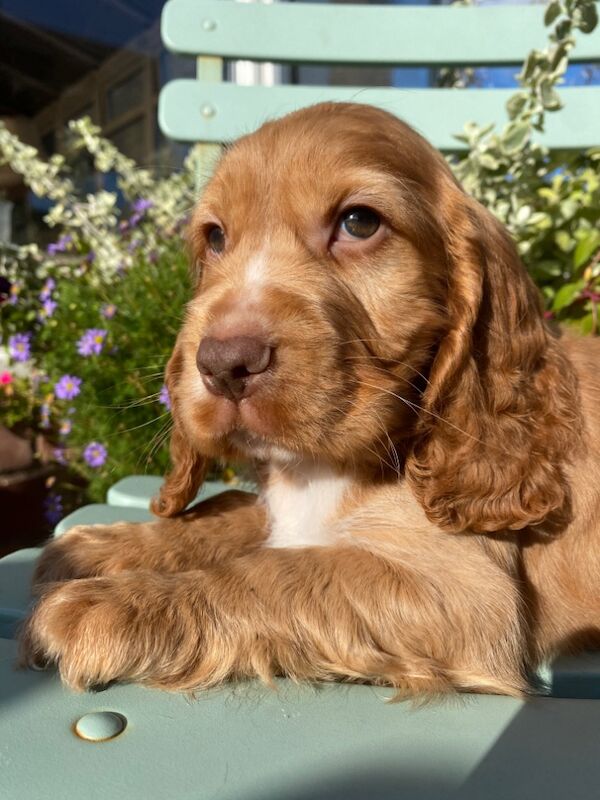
(501, 408)
(188, 466)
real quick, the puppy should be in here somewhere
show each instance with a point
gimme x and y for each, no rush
(429, 450)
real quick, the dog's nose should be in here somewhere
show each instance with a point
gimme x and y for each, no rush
(233, 367)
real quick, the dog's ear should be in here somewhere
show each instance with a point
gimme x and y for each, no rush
(500, 412)
(188, 466)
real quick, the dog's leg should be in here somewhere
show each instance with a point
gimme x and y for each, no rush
(220, 528)
(316, 613)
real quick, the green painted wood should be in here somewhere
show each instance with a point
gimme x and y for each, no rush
(16, 570)
(10, 619)
(297, 743)
(361, 34)
(575, 676)
(437, 113)
(99, 514)
(136, 491)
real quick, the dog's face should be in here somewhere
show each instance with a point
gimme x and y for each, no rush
(320, 284)
(356, 308)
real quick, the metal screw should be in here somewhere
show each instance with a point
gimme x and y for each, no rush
(208, 24)
(208, 111)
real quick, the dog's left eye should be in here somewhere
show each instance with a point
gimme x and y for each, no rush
(360, 222)
(216, 239)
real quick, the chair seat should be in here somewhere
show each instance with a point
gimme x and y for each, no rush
(247, 742)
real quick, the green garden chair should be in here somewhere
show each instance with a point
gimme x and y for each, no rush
(334, 742)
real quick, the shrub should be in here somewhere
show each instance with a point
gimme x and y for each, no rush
(89, 323)
(549, 201)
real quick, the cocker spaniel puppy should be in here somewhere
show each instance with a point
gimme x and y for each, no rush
(429, 448)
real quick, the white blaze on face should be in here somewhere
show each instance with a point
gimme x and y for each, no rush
(256, 273)
(302, 502)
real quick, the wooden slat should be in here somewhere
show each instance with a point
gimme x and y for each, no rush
(361, 34)
(192, 111)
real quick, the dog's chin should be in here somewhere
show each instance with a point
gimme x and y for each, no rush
(260, 448)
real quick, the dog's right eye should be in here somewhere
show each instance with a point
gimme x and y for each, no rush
(216, 239)
(360, 222)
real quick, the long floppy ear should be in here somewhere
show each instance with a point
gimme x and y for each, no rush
(501, 411)
(188, 465)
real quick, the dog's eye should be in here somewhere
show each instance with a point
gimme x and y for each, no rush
(360, 222)
(216, 239)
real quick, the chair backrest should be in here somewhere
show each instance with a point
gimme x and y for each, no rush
(211, 110)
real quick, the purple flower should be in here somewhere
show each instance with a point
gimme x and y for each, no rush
(95, 454)
(164, 398)
(67, 387)
(47, 289)
(60, 246)
(141, 206)
(108, 311)
(19, 346)
(59, 455)
(48, 308)
(91, 342)
(53, 508)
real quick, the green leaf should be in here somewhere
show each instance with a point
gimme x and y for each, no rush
(553, 11)
(566, 295)
(516, 104)
(529, 65)
(564, 240)
(569, 207)
(588, 17)
(586, 248)
(544, 270)
(563, 29)
(523, 215)
(515, 136)
(586, 324)
(550, 98)
(540, 220)
(488, 161)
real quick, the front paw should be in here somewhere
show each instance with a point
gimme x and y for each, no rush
(100, 630)
(86, 551)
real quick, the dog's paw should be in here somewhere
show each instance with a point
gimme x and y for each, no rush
(87, 551)
(99, 630)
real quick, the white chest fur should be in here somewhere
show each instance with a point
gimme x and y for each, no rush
(302, 502)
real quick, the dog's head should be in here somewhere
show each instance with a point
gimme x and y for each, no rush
(354, 307)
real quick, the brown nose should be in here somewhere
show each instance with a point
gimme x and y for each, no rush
(233, 367)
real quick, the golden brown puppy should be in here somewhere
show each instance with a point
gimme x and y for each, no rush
(429, 518)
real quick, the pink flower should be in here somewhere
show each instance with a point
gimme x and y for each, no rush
(5, 378)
